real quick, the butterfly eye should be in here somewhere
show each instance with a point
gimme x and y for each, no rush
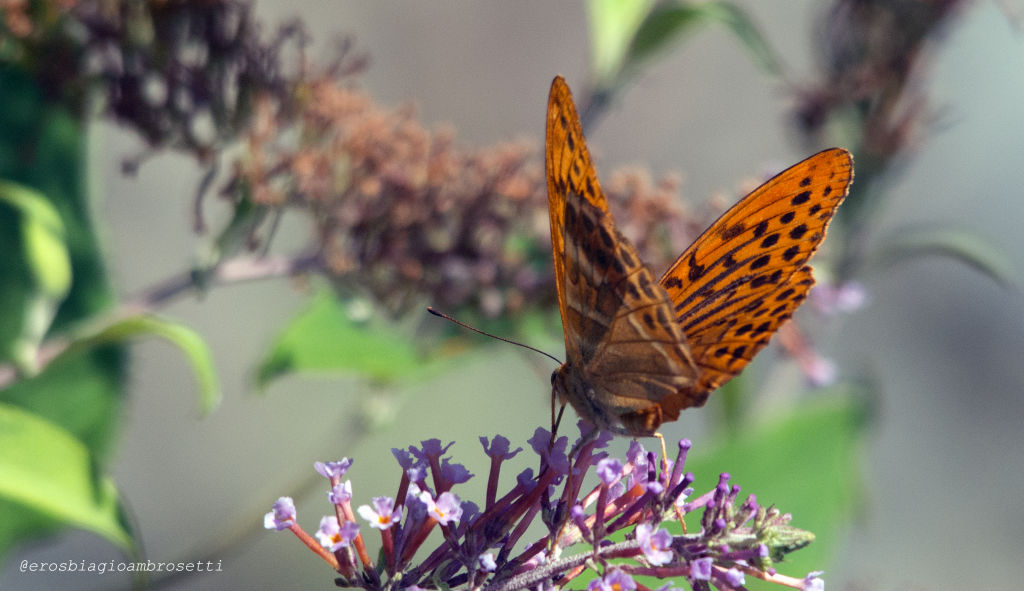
(553, 374)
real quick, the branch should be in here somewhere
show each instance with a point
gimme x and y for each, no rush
(155, 297)
(531, 578)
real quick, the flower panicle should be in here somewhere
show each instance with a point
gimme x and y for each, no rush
(484, 547)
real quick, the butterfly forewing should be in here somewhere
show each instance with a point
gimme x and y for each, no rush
(569, 171)
(625, 351)
(746, 274)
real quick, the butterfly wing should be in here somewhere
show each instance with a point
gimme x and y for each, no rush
(624, 350)
(570, 171)
(747, 273)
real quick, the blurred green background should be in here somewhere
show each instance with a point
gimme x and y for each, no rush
(943, 448)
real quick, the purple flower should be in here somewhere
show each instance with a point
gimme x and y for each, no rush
(332, 470)
(431, 448)
(340, 493)
(383, 513)
(655, 488)
(470, 511)
(486, 562)
(405, 459)
(446, 509)
(413, 494)
(553, 456)
(282, 516)
(525, 479)
(681, 499)
(812, 582)
(700, 569)
(415, 469)
(831, 299)
(454, 473)
(613, 580)
(333, 537)
(819, 370)
(730, 535)
(735, 577)
(499, 447)
(656, 546)
(636, 454)
(416, 508)
(579, 517)
(417, 473)
(609, 470)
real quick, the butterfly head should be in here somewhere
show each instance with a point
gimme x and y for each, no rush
(570, 386)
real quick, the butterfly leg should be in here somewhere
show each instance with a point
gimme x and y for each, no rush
(555, 420)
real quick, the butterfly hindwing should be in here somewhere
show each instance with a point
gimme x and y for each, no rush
(747, 273)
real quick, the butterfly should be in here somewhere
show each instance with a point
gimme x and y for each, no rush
(641, 349)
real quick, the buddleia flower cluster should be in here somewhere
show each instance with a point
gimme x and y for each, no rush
(430, 538)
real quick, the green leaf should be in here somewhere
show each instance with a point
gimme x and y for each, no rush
(962, 245)
(45, 246)
(326, 338)
(49, 479)
(42, 146)
(39, 273)
(187, 340)
(612, 26)
(668, 22)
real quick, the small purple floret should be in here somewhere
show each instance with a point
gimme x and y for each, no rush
(282, 516)
(735, 577)
(383, 513)
(812, 582)
(700, 569)
(340, 493)
(609, 470)
(331, 470)
(333, 537)
(656, 545)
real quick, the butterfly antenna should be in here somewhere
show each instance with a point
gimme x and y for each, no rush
(487, 334)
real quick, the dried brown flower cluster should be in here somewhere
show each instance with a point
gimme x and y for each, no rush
(403, 212)
(399, 211)
(181, 74)
(872, 50)
(870, 91)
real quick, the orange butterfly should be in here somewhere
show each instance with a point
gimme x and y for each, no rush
(639, 350)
